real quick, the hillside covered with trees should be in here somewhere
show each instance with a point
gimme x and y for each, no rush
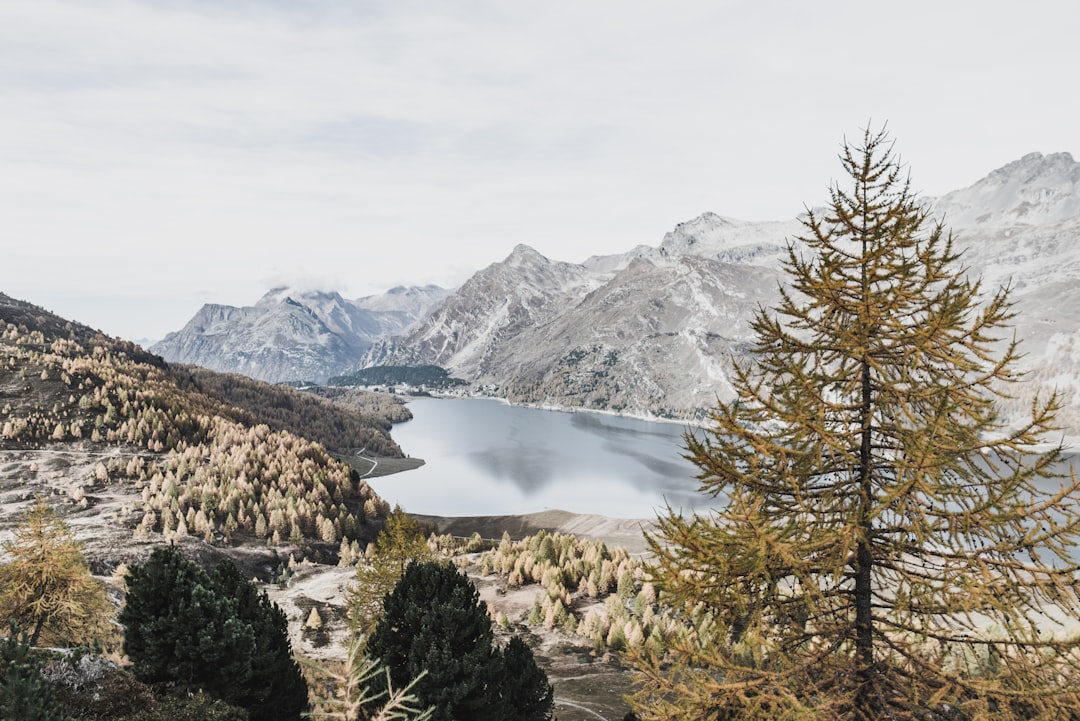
(217, 456)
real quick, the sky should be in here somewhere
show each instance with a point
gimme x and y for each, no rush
(156, 155)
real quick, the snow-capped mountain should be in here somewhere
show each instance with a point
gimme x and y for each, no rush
(1035, 190)
(492, 307)
(1020, 226)
(652, 330)
(291, 335)
(644, 332)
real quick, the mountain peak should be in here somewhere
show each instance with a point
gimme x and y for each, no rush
(525, 254)
(301, 296)
(729, 240)
(1035, 166)
(1037, 189)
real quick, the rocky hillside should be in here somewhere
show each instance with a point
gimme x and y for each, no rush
(291, 335)
(651, 331)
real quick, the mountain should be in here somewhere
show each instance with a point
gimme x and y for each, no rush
(651, 331)
(1020, 226)
(645, 332)
(491, 308)
(291, 335)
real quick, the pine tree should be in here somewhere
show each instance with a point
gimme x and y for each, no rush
(189, 630)
(24, 694)
(886, 546)
(46, 585)
(178, 631)
(276, 689)
(435, 629)
(526, 693)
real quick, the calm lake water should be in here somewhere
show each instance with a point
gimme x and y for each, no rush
(484, 457)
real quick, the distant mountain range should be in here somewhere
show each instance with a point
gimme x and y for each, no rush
(651, 331)
(292, 335)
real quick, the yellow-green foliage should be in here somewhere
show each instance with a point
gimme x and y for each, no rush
(238, 476)
(884, 545)
(345, 421)
(206, 468)
(46, 586)
(400, 542)
(572, 572)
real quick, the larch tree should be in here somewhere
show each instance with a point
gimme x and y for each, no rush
(46, 585)
(885, 544)
(400, 542)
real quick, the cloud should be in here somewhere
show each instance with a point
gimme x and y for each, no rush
(169, 150)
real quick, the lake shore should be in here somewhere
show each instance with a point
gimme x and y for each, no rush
(628, 533)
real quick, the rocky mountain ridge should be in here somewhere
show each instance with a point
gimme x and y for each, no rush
(650, 332)
(295, 335)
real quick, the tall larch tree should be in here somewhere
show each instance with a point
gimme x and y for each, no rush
(46, 585)
(885, 544)
(400, 542)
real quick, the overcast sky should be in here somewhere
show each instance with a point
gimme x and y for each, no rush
(158, 155)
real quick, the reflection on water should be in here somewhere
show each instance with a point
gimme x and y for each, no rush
(485, 458)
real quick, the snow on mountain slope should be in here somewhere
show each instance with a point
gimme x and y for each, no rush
(727, 240)
(651, 331)
(524, 290)
(653, 340)
(405, 304)
(288, 335)
(1020, 227)
(1035, 190)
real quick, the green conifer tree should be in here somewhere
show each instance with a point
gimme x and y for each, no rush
(24, 694)
(276, 689)
(188, 630)
(526, 693)
(885, 546)
(435, 629)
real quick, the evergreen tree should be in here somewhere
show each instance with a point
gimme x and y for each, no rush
(886, 547)
(276, 688)
(46, 585)
(188, 630)
(24, 694)
(435, 629)
(400, 542)
(526, 693)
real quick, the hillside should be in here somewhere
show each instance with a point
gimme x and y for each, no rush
(145, 451)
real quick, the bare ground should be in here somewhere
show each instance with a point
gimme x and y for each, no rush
(102, 515)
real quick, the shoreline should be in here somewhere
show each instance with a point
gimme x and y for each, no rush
(628, 533)
(555, 408)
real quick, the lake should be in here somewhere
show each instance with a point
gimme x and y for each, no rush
(485, 457)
